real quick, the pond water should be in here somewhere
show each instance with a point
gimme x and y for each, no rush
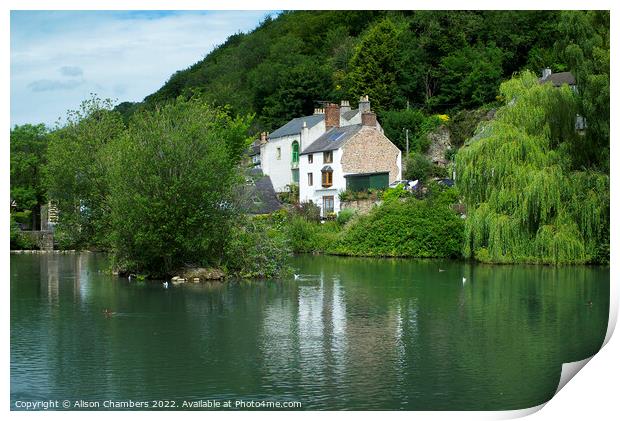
(347, 333)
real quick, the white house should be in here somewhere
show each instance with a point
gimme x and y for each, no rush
(353, 156)
(280, 150)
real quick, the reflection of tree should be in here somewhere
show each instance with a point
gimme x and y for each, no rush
(351, 333)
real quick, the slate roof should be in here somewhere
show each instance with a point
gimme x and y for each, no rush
(348, 115)
(333, 139)
(294, 126)
(559, 79)
(254, 148)
(258, 195)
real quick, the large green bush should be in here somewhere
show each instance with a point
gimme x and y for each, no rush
(411, 228)
(171, 178)
(256, 249)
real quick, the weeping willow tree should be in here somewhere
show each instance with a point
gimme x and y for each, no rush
(524, 203)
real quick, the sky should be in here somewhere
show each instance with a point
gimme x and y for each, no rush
(58, 58)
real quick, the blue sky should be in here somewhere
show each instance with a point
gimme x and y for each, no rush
(59, 57)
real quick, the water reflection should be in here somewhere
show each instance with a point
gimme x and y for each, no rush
(348, 334)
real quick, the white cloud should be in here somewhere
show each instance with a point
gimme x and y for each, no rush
(122, 55)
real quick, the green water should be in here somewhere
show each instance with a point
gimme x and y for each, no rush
(347, 334)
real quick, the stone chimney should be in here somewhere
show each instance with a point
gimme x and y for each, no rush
(364, 104)
(546, 73)
(344, 106)
(332, 116)
(263, 138)
(319, 111)
(369, 119)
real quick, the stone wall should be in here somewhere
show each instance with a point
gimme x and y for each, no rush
(362, 206)
(44, 239)
(369, 151)
(440, 142)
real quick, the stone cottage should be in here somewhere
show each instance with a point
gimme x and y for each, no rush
(352, 156)
(278, 153)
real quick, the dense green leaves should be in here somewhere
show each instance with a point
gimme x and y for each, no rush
(76, 173)
(524, 202)
(28, 155)
(438, 60)
(171, 176)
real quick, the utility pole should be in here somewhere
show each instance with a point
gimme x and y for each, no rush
(407, 139)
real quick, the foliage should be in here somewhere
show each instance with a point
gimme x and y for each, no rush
(436, 60)
(583, 43)
(308, 210)
(28, 154)
(170, 180)
(395, 193)
(463, 125)
(256, 250)
(76, 172)
(525, 204)
(345, 215)
(373, 67)
(291, 195)
(395, 122)
(418, 167)
(353, 195)
(411, 228)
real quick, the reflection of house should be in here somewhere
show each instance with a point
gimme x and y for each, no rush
(341, 148)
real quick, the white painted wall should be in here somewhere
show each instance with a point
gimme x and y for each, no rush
(316, 192)
(279, 170)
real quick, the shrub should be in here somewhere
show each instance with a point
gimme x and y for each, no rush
(345, 216)
(411, 228)
(256, 249)
(395, 193)
(308, 210)
(418, 167)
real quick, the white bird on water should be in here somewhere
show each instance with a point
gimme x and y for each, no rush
(166, 285)
(296, 276)
(464, 280)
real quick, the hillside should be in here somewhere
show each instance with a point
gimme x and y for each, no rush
(438, 61)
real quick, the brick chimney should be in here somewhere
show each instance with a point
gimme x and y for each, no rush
(332, 116)
(369, 119)
(364, 104)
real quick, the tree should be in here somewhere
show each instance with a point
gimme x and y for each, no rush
(28, 152)
(524, 201)
(583, 43)
(76, 172)
(171, 180)
(374, 65)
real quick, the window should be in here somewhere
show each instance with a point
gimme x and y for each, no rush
(328, 205)
(295, 174)
(310, 159)
(295, 157)
(310, 179)
(278, 153)
(328, 158)
(326, 177)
